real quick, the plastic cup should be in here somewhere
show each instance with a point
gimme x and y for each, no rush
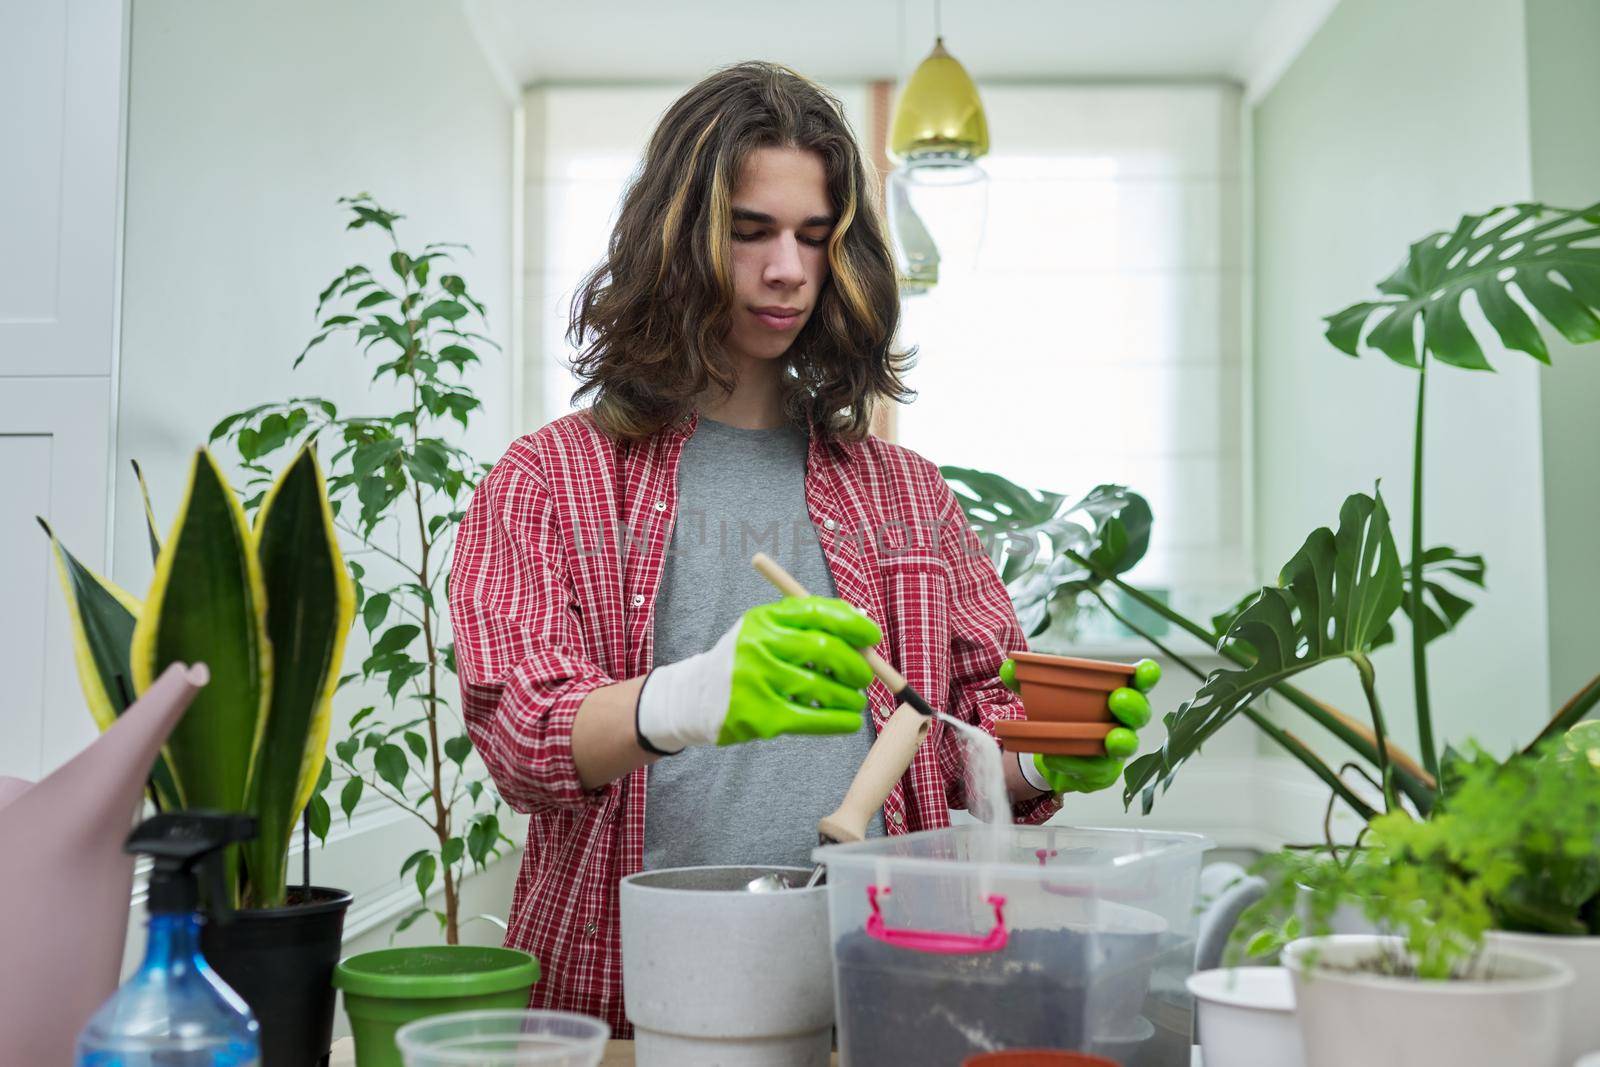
(503, 1039)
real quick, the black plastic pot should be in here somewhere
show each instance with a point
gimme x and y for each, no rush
(281, 961)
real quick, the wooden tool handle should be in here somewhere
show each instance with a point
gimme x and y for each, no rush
(886, 762)
(890, 754)
(772, 572)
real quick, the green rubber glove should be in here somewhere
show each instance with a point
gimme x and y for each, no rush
(1090, 774)
(792, 666)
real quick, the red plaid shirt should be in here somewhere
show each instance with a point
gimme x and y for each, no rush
(552, 588)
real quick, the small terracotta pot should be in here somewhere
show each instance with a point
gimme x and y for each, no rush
(1065, 700)
(1054, 738)
(1037, 1057)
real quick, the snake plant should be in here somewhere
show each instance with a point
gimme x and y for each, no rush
(267, 609)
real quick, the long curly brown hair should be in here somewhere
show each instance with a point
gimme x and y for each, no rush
(650, 321)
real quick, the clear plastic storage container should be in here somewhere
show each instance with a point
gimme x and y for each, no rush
(979, 938)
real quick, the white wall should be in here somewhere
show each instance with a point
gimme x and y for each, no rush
(1394, 121)
(246, 122)
(1564, 90)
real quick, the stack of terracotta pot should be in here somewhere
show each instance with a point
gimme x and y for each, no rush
(1066, 703)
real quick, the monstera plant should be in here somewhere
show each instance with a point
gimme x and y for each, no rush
(266, 608)
(1336, 599)
(1032, 538)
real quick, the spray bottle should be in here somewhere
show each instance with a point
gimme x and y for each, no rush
(175, 1011)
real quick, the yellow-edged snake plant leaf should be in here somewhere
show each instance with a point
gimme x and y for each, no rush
(310, 605)
(1333, 601)
(103, 616)
(207, 605)
(149, 512)
(1551, 256)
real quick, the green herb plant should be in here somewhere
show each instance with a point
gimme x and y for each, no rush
(398, 487)
(1512, 846)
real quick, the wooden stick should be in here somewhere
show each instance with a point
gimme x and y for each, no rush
(885, 765)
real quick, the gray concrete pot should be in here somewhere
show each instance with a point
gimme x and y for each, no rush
(716, 976)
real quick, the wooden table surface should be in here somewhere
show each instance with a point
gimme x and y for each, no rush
(618, 1054)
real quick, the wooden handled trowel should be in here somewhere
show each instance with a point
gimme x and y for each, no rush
(890, 754)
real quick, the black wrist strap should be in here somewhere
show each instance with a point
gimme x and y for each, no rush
(638, 734)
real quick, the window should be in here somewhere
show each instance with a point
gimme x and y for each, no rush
(1099, 337)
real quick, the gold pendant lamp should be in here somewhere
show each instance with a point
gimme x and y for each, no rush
(940, 116)
(937, 195)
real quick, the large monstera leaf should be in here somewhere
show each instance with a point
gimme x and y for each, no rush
(1442, 607)
(1007, 518)
(1551, 256)
(1333, 600)
(1029, 534)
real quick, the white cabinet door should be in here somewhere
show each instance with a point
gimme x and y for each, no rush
(54, 443)
(61, 80)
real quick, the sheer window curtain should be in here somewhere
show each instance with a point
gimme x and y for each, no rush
(1097, 337)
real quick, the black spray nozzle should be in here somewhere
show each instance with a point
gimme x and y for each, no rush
(186, 846)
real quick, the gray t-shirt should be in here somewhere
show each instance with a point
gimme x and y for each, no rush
(741, 492)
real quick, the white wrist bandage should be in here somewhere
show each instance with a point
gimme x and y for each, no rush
(1030, 773)
(685, 703)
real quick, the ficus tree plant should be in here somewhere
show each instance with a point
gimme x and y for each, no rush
(398, 487)
(1337, 596)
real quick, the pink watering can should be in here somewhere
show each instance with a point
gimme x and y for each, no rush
(63, 922)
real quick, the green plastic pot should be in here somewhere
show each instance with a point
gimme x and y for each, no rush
(386, 989)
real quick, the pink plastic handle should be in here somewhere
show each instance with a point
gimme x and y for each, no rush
(1044, 856)
(934, 940)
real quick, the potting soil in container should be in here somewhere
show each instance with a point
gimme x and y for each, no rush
(1097, 929)
(1035, 992)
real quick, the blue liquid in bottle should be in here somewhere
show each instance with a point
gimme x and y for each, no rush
(174, 1012)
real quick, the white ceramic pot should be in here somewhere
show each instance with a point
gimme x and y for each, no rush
(1508, 1015)
(1246, 1017)
(1580, 1032)
(716, 976)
